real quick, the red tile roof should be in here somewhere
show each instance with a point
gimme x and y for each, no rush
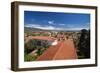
(63, 50)
(50, 52)
(44, 38)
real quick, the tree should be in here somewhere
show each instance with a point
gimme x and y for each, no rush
(39, 52)
(30, 46)
(84, 43)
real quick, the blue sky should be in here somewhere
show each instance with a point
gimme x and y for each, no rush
(56, 20)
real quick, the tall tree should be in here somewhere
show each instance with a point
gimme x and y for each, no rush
(84, 43)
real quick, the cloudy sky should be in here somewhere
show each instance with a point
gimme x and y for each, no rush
(56, 20)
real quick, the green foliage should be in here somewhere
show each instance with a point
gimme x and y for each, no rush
(84, 43)
(39, 45)
(81, 41)
(29, 58)
(30, 46)
(39, 52)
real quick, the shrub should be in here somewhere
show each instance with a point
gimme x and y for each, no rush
(29, 58)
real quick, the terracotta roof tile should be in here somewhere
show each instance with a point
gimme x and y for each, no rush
(43, 38)
(63, 50)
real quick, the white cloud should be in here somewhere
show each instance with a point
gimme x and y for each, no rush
(51, 22)
(32, 25)
(49, 27)
(40, 27)
(77, 28)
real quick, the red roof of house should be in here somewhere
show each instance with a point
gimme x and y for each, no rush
(63, 50)
(44, 38)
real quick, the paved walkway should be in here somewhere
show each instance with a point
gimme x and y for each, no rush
(63, 50)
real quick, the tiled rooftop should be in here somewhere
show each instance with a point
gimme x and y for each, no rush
(43, 38)
(63, 50)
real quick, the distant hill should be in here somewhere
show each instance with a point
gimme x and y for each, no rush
(29, 29)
